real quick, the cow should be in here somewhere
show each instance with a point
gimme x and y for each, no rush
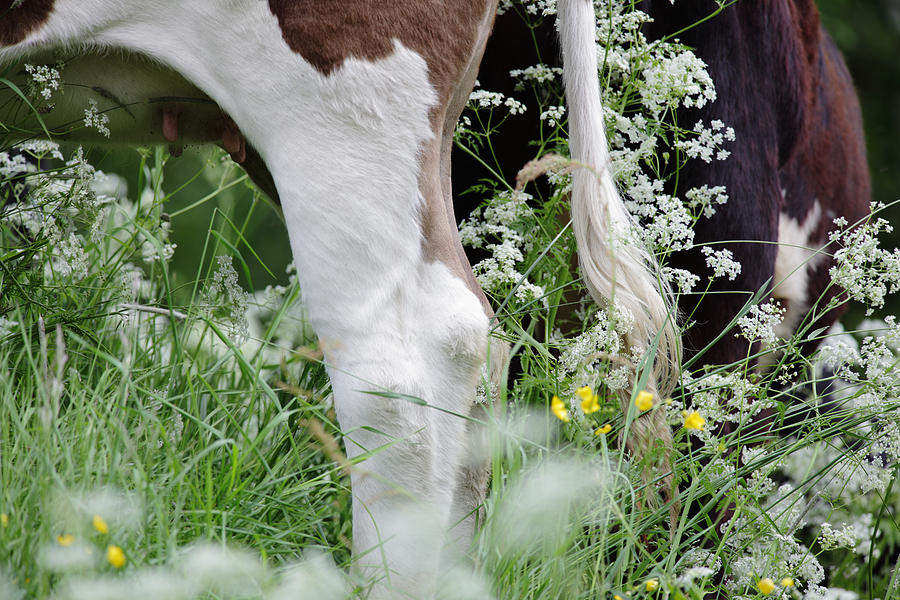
(799, 161)
(344, 110)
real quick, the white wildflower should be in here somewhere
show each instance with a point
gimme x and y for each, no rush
(703, 199)
(867, 272)
(45, 79)
(225, 291)
(707, 143)
(553, 115)
(679, 78)
(538, 74)
(506, 228)
(94, 118)
(515, 107)
(722, 263)
(693, 574)
(486, 99)
(684, 280)
(760, 322)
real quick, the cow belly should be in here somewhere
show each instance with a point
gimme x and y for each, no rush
(131, 90)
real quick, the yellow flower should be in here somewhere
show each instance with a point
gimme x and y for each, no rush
(787, 582)
(766, 586)
(603, 430)
(693, 420)
(651, 585)
(617, 597)
(644, 400)
(100, 525)
(559, 409)
(4, 519)
(115, 556)
(589, 400)
(65, 540)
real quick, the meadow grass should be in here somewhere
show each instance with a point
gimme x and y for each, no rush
(168, 434)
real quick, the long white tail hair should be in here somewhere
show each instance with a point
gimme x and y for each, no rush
(614, 265)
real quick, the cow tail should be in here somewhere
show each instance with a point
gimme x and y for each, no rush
(614, 265)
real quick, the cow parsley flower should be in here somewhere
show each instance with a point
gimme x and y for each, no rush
(486, 99)
(677, 78)
(45, 79)
(760, 322)
(539, 74)
(866, 271)
(94, 118)
(553, 115)
(707, 143)
(721, 262)
(703, 200)
(505, 228)
(684, 280)
(831, 538)
(605, 338)
(224, 291)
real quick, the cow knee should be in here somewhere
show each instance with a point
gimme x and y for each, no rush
(453, 319)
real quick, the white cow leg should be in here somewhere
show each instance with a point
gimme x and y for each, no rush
(404, 336)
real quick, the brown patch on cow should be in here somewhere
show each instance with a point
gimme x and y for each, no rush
(326, 32)
(17, 22)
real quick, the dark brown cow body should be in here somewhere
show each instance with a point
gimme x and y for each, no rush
(784, 88)
(16, 23)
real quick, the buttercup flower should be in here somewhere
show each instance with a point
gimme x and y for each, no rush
(787, 582)
(652, 585)
(115, 556)
(100, 525)
(644, 400)
(65, 540)
(693, 420)
(603, 430)
(558, 408)
(589, 400)
(765, 585)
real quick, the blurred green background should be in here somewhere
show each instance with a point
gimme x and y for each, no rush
(868, 32)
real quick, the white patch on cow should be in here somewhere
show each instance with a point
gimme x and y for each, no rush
(797, 256)
(344, 151)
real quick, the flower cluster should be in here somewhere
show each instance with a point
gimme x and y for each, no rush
(225, 295)
(506, 228)
(93, 118)
(721, 262)
(760, 323)
(486, 99)
(45, 79)
(865, 270)
(707, 143)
